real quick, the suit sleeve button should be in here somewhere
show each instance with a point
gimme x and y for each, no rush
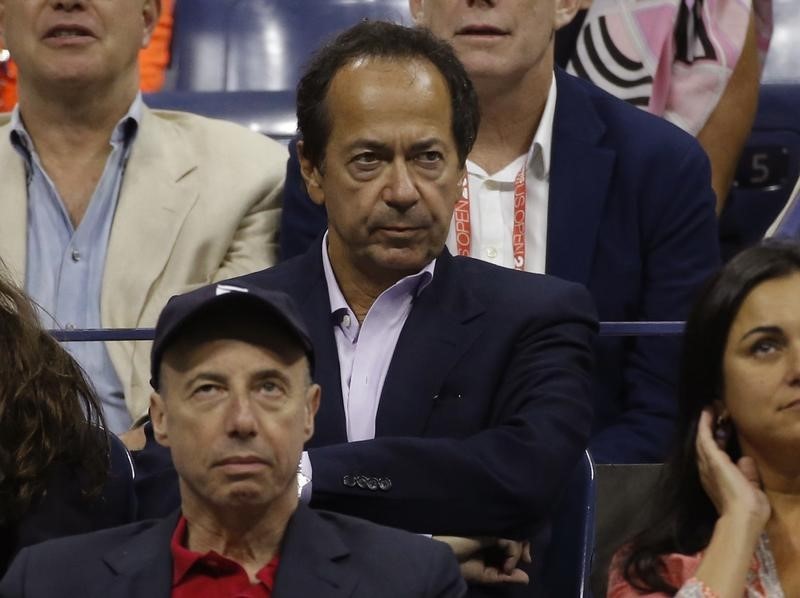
(361, 481)
(372, 483)
(385, 484)
(349, 481)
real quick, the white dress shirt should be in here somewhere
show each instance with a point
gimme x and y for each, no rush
(492, 201)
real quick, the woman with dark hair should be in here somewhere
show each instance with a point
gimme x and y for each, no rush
(60, 473)
(727, 518)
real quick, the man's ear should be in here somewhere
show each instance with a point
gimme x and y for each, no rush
(158, 416)
(566, 11)
(313, 394)
(151, 10)
(311, 176)
(417, 9)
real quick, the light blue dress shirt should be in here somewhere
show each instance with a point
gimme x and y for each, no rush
(64, 268)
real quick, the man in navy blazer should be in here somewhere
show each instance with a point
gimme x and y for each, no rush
(234, 402)
(323, 554)
(625, 203)
(455, 393)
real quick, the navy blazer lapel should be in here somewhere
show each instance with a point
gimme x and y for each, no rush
(143, 566)
(315, 306)
(313, 559)
(580, 173)
(442, 325)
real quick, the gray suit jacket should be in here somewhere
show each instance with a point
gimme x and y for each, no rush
(323, 555)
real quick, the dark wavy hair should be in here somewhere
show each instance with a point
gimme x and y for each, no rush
(683, 517)
(380, 39)
(49, 413)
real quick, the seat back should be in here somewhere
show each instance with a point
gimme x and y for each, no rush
(269, 112)
(198, 45)
(770, 162)
(248, 45)
(624, 494)
(768, 169)
(568, 560)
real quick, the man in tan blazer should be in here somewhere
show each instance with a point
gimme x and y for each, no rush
(148, 203)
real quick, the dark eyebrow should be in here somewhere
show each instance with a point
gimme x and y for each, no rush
(221, 379)
(764, 330)
(272, 373)
(425, 144)
(376, 146)
(369, 144)
(206, 376)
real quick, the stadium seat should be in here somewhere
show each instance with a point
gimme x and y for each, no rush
(768, 169)
(568, 560)
(624, 496)
(198, 45)
(770, 162)
(248, 45)
(269, 112)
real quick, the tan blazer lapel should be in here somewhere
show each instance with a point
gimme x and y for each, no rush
(157, 193)
(13, 208)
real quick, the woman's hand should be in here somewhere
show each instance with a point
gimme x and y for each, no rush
(734, 488)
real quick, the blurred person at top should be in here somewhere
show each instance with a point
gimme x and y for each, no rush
(153, 61)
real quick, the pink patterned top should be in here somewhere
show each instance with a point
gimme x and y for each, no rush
(671, 57)
(762, 577)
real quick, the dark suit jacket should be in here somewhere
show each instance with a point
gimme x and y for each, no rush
(485, 408)
(323, 554)
(631, 216)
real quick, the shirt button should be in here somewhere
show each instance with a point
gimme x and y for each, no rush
(76, 255)
(346, 320)
(70, 327)
(491, 253)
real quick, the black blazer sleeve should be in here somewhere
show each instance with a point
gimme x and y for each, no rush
(506, 421)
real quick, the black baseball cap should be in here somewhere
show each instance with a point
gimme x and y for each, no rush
(189, 307)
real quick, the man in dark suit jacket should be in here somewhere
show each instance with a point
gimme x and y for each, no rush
(455, 392)
(629, 209)
(323, 554)
(234, 402)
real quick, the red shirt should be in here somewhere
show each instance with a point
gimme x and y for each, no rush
(211, 575)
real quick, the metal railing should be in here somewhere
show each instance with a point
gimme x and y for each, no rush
(146, 334)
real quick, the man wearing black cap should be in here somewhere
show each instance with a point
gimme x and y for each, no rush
(235, 403)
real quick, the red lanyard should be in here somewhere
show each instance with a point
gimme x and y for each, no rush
(464, 229)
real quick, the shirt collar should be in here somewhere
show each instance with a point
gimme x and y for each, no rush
(539, 151)
(542, 147)
(124, 131)
(183, 559)
(417, 282)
